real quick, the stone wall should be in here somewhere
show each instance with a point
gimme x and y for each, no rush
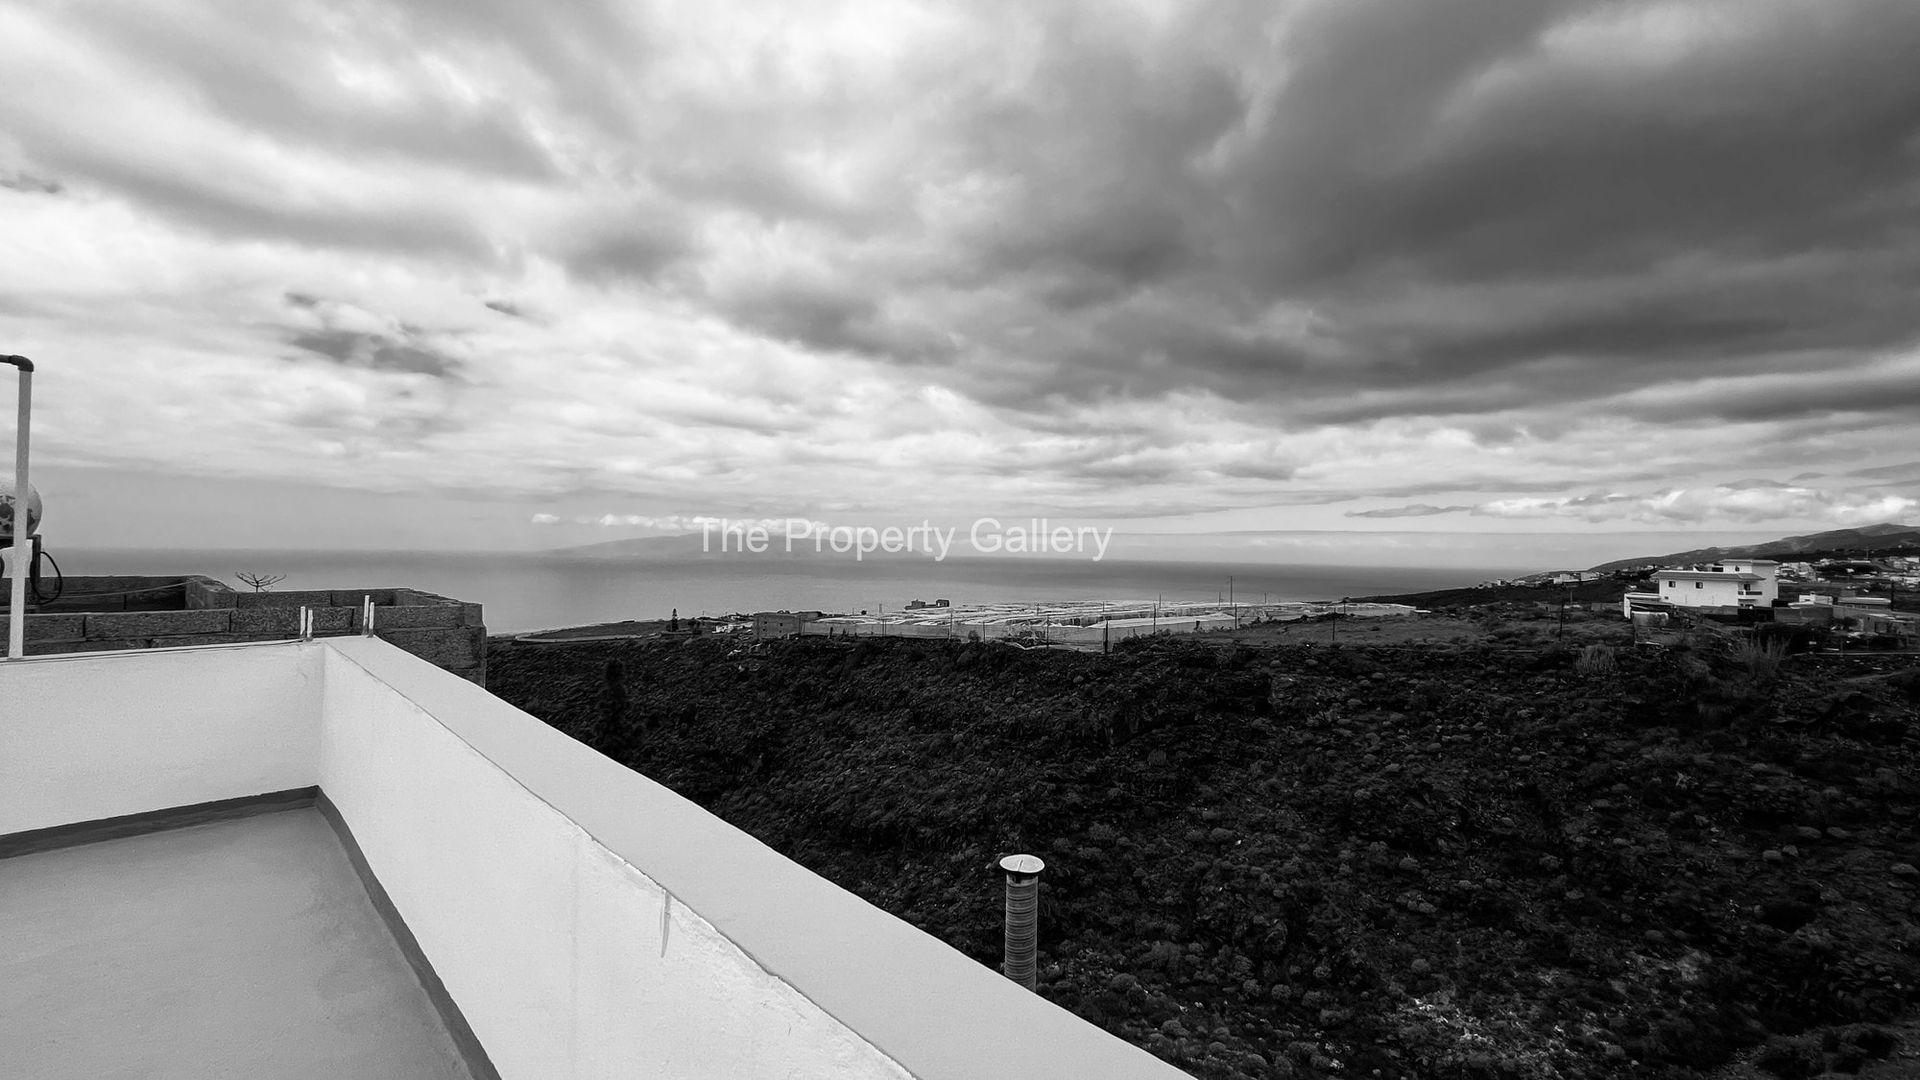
(97, 614)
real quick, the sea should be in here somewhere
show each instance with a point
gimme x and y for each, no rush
(536, 591)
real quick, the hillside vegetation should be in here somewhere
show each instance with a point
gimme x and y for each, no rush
(1480, 859)
(1886, 536)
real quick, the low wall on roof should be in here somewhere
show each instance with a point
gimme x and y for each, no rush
(567, 961)
(108, 614)
(552, 886)
(86, 738)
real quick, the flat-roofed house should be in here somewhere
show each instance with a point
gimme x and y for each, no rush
(1728, 583)
(771, 624)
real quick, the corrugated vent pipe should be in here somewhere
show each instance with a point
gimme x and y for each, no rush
(1023, 916)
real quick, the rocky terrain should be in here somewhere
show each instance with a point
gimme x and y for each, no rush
(1498, 857)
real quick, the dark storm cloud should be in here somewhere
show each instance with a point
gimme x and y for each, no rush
(31, 184)
(1887, 394)
(377, 352)
(1251, 254)
(1887, 472)
(1495, 138)
(833, 316)
(813, 314)
(633, 247)
(1450, 197)
(331, 220)
(1097, 153)
(1680, 189)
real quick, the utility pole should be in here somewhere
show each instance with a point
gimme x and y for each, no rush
(1231, 606)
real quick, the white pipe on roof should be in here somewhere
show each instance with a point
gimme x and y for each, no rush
(22, 515)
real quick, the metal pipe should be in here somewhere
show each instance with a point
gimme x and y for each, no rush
(22, 515)
(1023, 916)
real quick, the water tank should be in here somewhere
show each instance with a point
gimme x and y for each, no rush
(7, 502)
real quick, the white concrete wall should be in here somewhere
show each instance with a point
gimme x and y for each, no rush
(567, 961)
(1768, 572)
(1709, 594)
(98, 735)
(535, 873)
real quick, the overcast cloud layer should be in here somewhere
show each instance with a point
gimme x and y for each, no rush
(1452, 263)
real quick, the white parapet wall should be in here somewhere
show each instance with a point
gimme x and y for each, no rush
(90, 736)
(565, 959)
(592, 923)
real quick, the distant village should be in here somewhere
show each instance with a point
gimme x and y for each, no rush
(1849, 598)
(1085, 623)
(1897, 571)
(1852, 596)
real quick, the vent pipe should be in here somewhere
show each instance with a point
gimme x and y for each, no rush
(1023, 916)
(22, 538)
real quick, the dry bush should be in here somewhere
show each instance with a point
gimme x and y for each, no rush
(1594, 660)
(1761, 659)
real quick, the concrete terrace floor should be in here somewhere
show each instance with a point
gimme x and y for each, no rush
(244, 948)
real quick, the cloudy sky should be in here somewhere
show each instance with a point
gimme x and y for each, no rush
(425, 274)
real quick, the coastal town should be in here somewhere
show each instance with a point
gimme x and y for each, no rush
(1859, 601)
(1855, 601)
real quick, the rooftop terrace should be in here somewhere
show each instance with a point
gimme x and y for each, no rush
(559, 915)
(242, 947)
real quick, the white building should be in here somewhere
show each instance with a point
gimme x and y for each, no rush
(1728, 583)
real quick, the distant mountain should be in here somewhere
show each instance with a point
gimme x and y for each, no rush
(1865, 538)
(685, 546)
(637, 547)
(679, 548)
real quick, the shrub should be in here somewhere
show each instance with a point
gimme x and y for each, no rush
(1760, 657)
(1594, 661)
